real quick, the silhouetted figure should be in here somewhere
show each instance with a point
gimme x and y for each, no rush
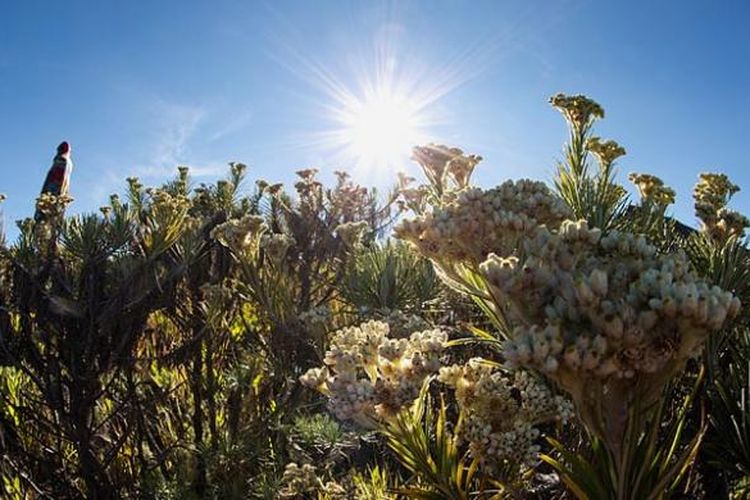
(58, 177)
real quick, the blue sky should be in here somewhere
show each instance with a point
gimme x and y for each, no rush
(140, 87)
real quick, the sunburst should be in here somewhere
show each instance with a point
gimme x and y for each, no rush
(378, 129)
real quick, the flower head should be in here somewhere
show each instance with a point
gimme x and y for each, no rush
(369, 376)
(592, 307)
(478, 222)
(501, 412)
(652, 189)
(712, 193)
(578, 110)
(606, 152)
(238, 234)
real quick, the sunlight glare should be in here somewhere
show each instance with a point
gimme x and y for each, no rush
(385, 103)
(380, 130)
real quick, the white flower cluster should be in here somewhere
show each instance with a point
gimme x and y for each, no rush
(162, 200)
(501, 413)
(438, 160)
(303, 482)
(238, 234)
(368, 376)
(593, 306)
(478, 222)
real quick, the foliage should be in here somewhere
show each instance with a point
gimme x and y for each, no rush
(520, 341)
(728, 445)
(389, 277)
(590, 304)
(442, 471)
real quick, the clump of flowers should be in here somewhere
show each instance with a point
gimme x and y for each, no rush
(304, 482)
(501, 414)
(299, 481)
(51, 206)
(457, 226)
(652, 189)
(351, 233)
(606, 152)
(604, 316)
(439, 161)
(712, 194)
(162, 200)
(50, 210)
(481, 221)
(369, 376)
(579, 110)
(238, 234)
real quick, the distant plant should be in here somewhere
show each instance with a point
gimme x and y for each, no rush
(317, 429)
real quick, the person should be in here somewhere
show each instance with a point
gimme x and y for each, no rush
(57, 181)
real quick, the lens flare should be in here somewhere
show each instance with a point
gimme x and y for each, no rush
(379, 101)
(379, 130)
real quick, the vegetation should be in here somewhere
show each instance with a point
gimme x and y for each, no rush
(439, 341)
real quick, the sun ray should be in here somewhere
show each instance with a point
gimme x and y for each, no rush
(378, 101)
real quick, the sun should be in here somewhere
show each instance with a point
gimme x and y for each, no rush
(379, 130)
(375, 112)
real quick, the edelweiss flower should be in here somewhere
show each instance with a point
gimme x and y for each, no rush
(238, 234)
(652, 189)
(604, 308)
(479, 222)
(578, 110)
(369, 376)
(500, 413)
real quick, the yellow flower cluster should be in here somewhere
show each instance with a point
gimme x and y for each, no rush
(368, 376)
(606, 152)
(712, 193)
(52, 206)
(479, 221)
(501, 413)
(652, 189)
(603, 307)
(578, 110)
